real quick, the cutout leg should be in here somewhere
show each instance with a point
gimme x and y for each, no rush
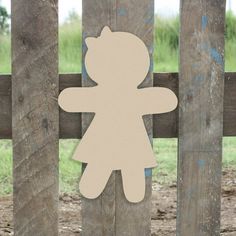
(133, 184)
(93, 181)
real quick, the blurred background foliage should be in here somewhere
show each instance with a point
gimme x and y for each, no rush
(166, 41)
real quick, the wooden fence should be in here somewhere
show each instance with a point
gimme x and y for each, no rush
(30, 115)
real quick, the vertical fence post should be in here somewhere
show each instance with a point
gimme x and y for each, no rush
(98, 215)
(111, 213)
(136, 17)
(35, 117)
(201, 88)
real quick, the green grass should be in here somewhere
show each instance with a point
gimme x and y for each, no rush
(166, 40)
(166, 156)
(165, 60)
(70, 47)
(230, 52)
(165, 173)
(229, 152)
(165, 49)
(5, 54)
(5, 167)
(69, 170)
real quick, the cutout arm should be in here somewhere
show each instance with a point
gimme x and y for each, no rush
(162, 100)
(78, 99)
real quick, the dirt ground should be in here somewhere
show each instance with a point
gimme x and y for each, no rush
(163, 210)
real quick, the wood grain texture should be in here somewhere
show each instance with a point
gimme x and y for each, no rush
(137, 17)
(5, 107)
(105, 215)
(201, 93)
(164, 125)
(70, 123)
(98, 215)
(35, 120)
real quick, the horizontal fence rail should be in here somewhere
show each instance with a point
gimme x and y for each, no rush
(164, 125)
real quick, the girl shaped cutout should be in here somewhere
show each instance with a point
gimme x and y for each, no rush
(117, 138)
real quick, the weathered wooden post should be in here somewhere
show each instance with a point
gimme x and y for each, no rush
(111, 213)
(35, 117)
(201, 91)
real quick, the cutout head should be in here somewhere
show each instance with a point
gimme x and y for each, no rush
(116, 58)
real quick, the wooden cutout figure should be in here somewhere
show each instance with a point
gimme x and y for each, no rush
(117, 138)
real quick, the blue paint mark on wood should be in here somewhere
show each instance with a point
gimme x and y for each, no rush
(195, 65)
(199, 78)
(216, 56)
(84, 72)
(84, 50)
(190, 192)
(204, 22)
(151, 66)
(151, 48)
(205, 47)
(121, 11)
(84, 47)
(150, 20)
(201, 163)
(148, 172)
